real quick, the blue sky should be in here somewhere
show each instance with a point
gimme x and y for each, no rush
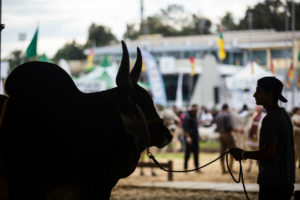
(62, 21)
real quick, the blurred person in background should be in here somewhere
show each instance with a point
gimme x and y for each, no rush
(171, 120)
(206, 118)
(296, 124)
(253, 136)
(190, 128)
(244, 111)
(276, 176)
(225, 128)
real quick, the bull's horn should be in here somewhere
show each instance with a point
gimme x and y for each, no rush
(122, 79)
(136, 71)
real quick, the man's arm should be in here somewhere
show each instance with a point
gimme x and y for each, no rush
(188, 137)
(229, 125)
(268, 152)
(185, 127)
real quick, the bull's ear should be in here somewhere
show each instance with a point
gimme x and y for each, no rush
(136, 71)
(135, 124)
(122, 79)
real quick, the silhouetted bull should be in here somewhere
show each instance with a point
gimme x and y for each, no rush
(58, 142)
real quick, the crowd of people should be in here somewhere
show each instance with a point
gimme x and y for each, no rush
(232, 128)
(268, 134)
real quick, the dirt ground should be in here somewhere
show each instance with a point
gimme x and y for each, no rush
(131, 193)
(126, 189)
(211, 173)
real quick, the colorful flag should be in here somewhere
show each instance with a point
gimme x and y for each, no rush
(143, 66)
(252, 67)
(222, 53)
(192, 62)
(291, 72)
(31, 50)
(272, 68)
(288, 84)
(90, 58)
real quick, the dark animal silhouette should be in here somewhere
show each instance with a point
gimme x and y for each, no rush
(60, 143)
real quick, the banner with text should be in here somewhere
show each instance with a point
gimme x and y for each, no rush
(155, 79)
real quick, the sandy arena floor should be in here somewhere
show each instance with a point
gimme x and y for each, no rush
(125, 189)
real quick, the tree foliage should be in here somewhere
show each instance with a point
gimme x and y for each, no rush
(267, 15)
(270, 14)
(172, 21)
(70, 51)
(197, 26)
(99, 35)
(15, 59)
(131, 32)
(227, 22)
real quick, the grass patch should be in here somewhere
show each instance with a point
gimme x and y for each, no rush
(212, 146)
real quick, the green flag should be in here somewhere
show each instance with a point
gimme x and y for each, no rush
(105, 62)
(299, 56)
(31, 49)
(44, 58)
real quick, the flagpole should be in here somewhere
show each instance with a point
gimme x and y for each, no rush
(250, 36)
(1, 28)
(293, 47)
(286, 68)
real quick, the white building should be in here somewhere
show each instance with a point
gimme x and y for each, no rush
(265, 47)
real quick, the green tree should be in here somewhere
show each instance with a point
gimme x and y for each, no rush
(174, 15)
(131, 32)
(99, 36)
(269, 14)
(297, 14)
(167, 22)
(171, 21)
(227, 22)
(197, 26)
(155, 25)
(70, 51)
(15, 59)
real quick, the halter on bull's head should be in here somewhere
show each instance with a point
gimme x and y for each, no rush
(138, 114)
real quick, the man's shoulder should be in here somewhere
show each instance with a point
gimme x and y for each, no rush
(278, 114)
(278, 117)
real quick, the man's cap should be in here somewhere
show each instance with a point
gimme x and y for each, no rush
(272, 84)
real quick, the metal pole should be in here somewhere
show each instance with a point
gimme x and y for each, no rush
(143, 27)
(250, 35)
(1, 27)
(293, 47)
(286, 68)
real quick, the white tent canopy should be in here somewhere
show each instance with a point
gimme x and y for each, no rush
(101, 78)
(247, 77)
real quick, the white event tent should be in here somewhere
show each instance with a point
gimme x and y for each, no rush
(241, 86)
(247, 77)
(99, 79)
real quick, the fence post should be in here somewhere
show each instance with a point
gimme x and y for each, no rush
(170, 174)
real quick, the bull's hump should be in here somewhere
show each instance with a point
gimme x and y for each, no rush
(39, 78)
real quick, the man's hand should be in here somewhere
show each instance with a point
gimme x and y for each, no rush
(236, 153)
(189, 140)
